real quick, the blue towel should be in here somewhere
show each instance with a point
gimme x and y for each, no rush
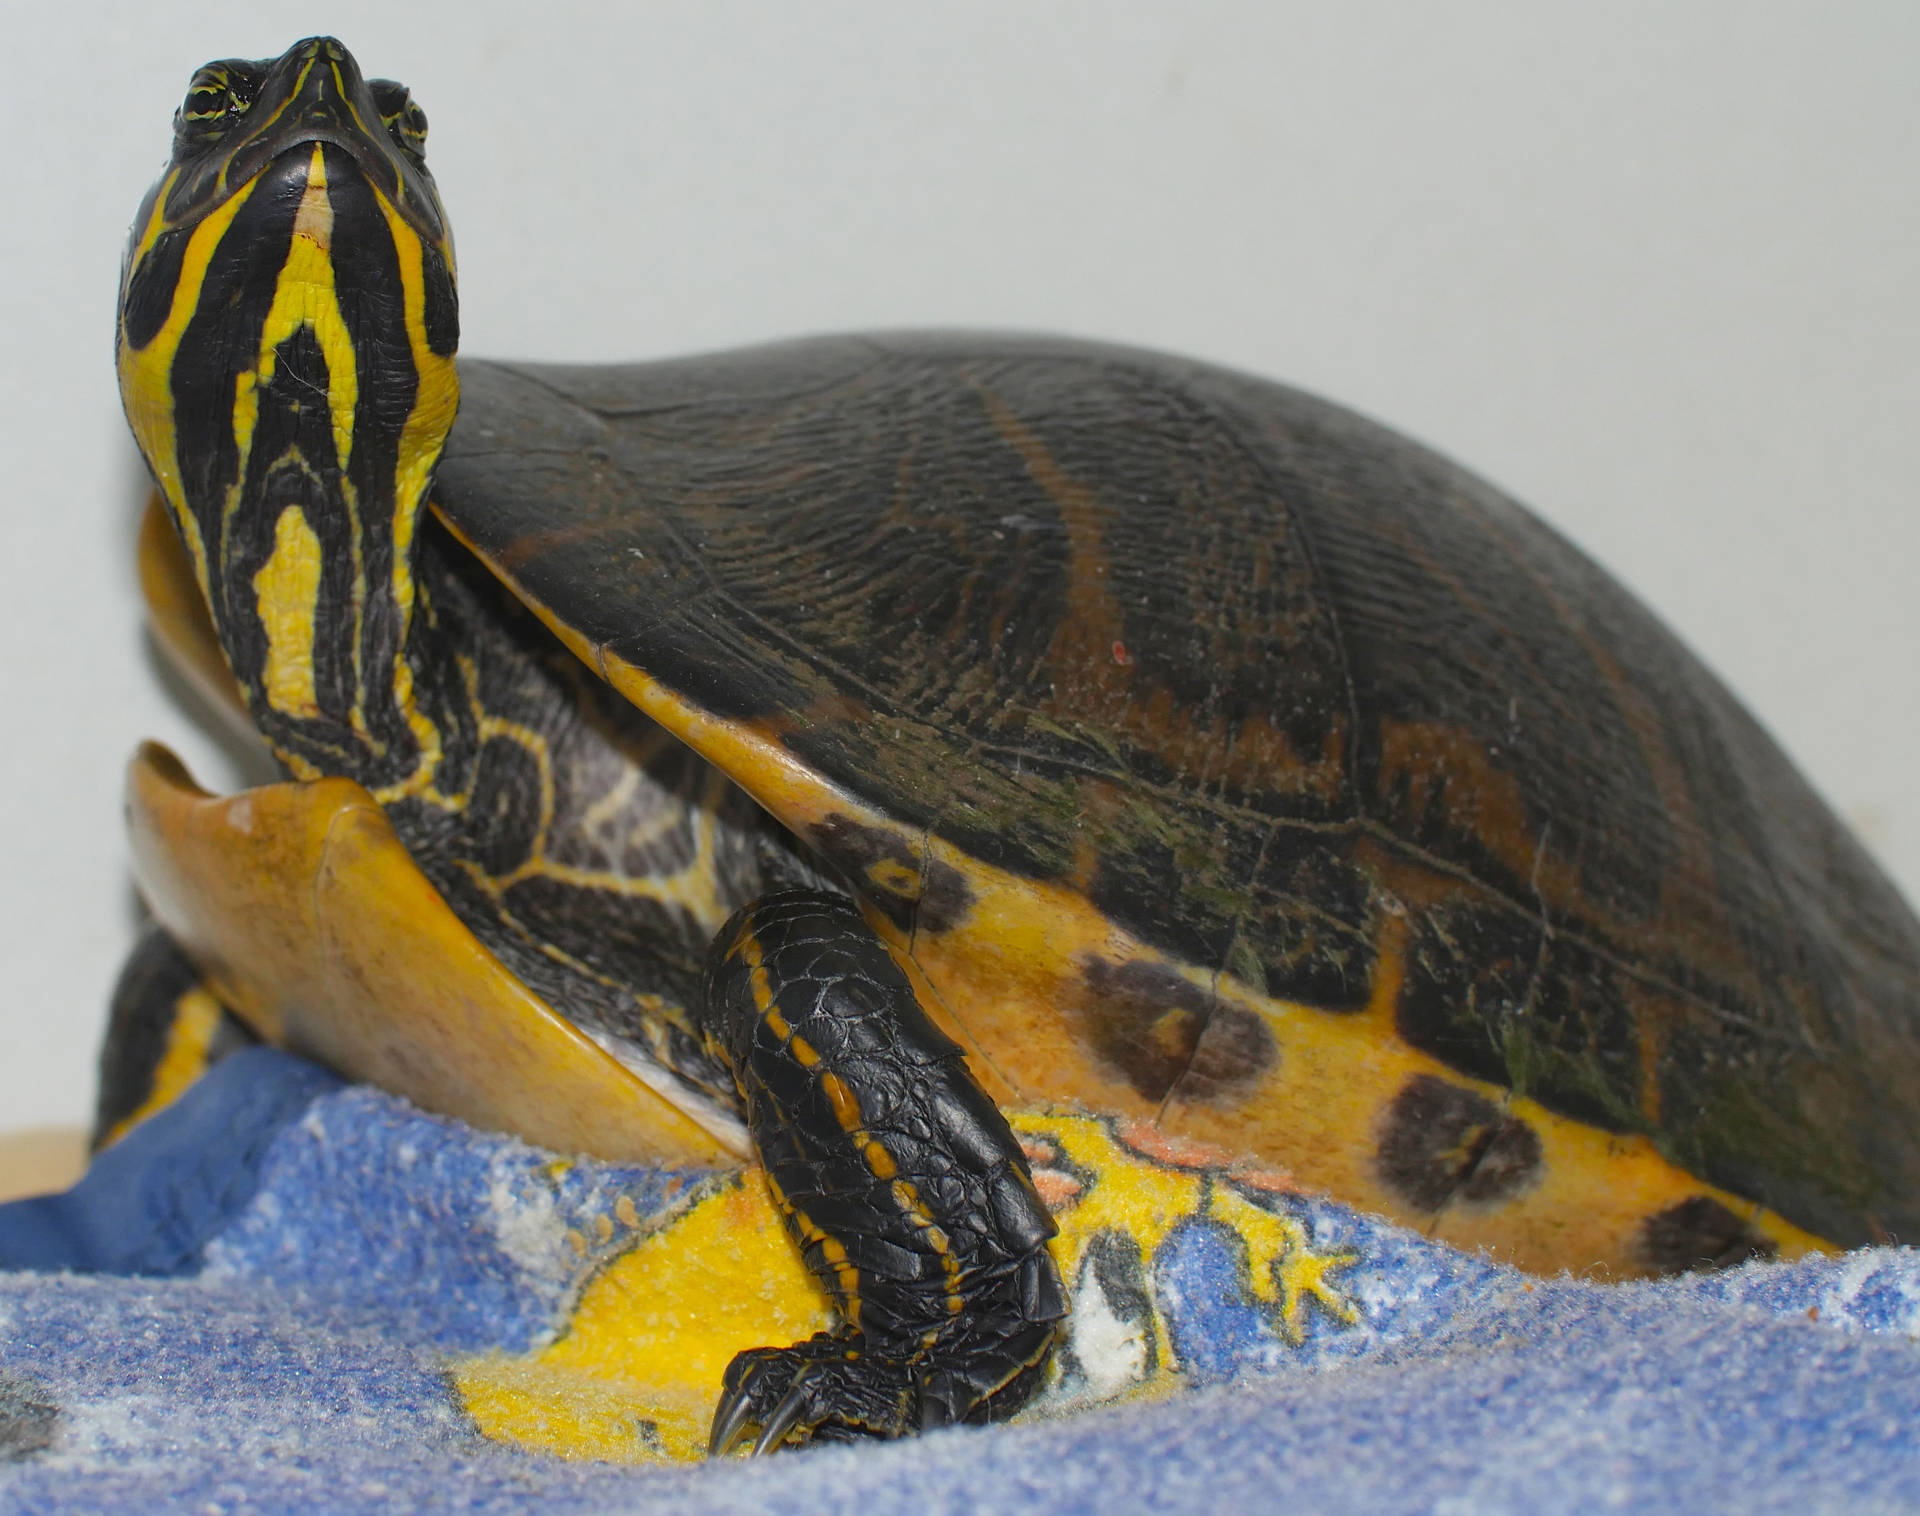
(273, 1285)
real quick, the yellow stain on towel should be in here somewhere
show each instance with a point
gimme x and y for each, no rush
(636, 1373)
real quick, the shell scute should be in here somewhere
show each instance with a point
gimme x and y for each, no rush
(1218, 678)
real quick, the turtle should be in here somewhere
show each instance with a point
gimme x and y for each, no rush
(813, 750)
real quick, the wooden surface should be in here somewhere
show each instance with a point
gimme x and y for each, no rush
(41, 1159)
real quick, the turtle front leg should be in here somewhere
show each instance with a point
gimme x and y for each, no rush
(901, 1182)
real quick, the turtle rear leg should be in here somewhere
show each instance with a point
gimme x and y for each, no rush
(900, 1181)
(164, 1028)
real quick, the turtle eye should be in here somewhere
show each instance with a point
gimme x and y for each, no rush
(405, 122)
(205, 101)
(218, 95)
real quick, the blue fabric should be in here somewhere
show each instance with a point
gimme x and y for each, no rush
(151, 1205)
(303, 1365)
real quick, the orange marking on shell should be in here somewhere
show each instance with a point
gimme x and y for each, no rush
(1651, 1021)
(1080, 654)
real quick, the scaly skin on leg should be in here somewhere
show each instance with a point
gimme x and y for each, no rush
(901, 1182)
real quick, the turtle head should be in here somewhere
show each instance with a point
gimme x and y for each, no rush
(285, 347)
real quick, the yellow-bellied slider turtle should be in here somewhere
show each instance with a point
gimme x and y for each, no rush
(1171, 743)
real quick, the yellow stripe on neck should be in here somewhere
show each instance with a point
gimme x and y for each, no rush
(287, 595)
(421, 438)
(304, 297)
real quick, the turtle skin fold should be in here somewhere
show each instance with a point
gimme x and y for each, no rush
(902, 1184)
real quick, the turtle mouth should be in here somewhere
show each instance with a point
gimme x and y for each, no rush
(243, 118)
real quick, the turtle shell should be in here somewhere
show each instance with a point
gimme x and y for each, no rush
(1219, 756)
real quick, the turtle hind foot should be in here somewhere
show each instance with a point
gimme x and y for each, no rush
(837, 1387)
(828, 1386)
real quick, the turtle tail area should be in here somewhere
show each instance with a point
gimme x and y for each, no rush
(165, 1029)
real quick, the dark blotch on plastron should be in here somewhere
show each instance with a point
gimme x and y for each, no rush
(1700, 1233)
(28, 1419)
(1153, 1026)
(1144, 1022)
(1236, 1051)
(1441, 1143)
(930, 898)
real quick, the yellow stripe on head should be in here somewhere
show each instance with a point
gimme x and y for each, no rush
(292, 347)
(305, 296)
(146, 373)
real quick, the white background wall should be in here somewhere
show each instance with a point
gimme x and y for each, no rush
(1651, 266)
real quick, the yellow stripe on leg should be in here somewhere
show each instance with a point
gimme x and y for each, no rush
(196, 1017)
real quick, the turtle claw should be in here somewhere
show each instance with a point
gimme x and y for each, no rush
(730, 1421)
(785, 1416)
(827, 1386)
